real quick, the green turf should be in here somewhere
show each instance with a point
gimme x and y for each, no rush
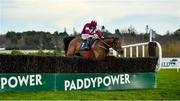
(168, 89)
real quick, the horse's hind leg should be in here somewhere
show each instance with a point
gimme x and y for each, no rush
(71, 51)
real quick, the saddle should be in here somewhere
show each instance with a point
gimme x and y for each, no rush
(87, 44)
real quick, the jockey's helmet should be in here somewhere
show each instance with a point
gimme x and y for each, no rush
(93, 23)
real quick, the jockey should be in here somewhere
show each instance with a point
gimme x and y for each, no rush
(89, 31)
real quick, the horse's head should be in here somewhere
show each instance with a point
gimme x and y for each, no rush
(117, 45)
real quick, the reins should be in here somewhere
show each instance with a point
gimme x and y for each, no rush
(107, 44)
(104, 42)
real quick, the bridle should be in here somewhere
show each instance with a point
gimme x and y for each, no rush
(113, 44)
(105, 42)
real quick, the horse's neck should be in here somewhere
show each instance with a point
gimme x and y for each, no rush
(108, 41)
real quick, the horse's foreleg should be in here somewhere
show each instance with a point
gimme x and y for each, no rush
(99, 55)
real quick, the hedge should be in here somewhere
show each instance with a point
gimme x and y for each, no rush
(54, 64)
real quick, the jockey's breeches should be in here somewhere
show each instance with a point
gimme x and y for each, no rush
(86, 36)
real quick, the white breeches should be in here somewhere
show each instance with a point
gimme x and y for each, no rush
(86, 36)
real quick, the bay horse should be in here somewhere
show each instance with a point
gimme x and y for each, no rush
(99, 49)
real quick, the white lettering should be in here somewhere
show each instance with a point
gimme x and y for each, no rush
(87, 83)
(32, 83)
(10, 82)
(99, 81)
(115, 79)
(107, 78)
(79, 83)
(38, 79)
(66, 84)
(127, 78)
(122, 78)
(73, 86)
(93, 82)
(23, 80)
(28, 80)
(3, 82)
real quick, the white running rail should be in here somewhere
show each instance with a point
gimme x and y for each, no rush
(137, 46)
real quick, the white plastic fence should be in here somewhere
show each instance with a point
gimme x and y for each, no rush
(137, 47)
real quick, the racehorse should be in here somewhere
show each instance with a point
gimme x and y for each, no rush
(99, 49)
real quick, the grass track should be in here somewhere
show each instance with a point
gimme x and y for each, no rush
(168, 89)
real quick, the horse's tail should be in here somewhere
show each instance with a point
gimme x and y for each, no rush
(66, 41)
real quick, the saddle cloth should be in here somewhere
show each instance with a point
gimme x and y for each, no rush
(86, 46)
